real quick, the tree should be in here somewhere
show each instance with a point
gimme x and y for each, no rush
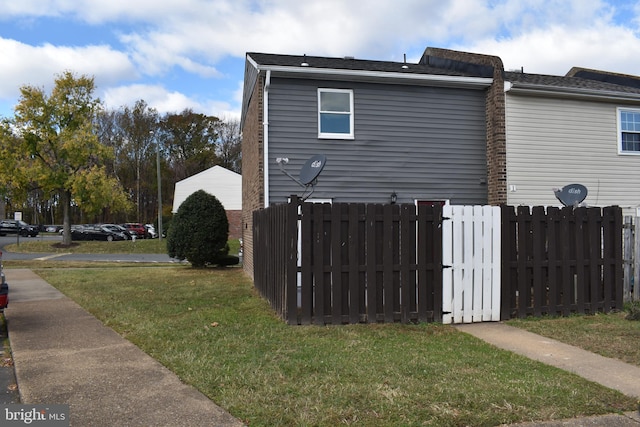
(199, 231)
(137, 147)
(52, 146)
(191, 141)
(230, 145)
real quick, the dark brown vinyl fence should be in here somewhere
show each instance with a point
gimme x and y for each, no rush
(560, 261)
(358, 263)
(350, 263)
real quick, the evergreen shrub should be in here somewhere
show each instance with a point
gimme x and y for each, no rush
(199, 231)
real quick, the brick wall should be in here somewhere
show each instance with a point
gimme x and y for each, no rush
(495, 120)
(235, 224)
(252, 171)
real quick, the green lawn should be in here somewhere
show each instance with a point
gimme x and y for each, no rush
(139, 246)
(610, 335)
(212, 329)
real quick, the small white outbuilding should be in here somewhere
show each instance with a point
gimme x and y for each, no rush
(224, 184)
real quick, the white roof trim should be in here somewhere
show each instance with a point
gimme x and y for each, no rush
(430, 79)
(570, 92)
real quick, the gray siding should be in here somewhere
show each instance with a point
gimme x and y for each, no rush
(250, 78)
(423, 143)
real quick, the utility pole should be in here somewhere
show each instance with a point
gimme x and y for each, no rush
(159, 185)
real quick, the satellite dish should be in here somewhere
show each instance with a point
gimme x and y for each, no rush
(308, 174)
(312, 168)
(572, 194)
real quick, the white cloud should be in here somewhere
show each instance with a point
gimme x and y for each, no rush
(555, 50)
(161, 38)
(38, 65)
(195, 34)
(163, 100)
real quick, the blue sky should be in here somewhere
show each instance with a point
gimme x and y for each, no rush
(190, 53)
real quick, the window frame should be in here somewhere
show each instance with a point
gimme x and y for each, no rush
(333, 135)
(619, 111)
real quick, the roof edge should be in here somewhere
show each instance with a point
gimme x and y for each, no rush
(605, 76)
(327, 73)
(582, 93)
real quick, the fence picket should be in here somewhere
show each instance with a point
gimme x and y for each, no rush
(477, 262)
(447, 262)
(495, 277)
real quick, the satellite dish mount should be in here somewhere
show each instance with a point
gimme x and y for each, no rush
(308, 174)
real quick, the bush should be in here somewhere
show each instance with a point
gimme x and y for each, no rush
(199, 231)
(633, 310)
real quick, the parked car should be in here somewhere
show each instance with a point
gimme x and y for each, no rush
(4, 288)
(128, 234)
(136, 228)
(151, 231)
(15, 226)
(73, 227)
(96, 232)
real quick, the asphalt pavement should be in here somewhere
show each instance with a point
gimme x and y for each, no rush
(12, 256)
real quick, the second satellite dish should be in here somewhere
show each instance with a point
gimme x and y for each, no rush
(312, 168)
(572, 194)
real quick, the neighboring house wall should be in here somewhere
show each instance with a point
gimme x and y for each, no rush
(554, 142)
(425, 143)
(252, 170)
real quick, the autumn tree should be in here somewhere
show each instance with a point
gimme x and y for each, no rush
(191, 140)
(135, 143)
(229, 148)
(51, 145)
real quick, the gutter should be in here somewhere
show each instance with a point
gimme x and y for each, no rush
(265, 135)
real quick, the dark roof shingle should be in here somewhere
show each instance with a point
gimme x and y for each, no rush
(567, 82)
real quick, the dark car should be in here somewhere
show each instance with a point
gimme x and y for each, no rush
(95, 232)
(128, 234)
(16, 226)
(138, 229)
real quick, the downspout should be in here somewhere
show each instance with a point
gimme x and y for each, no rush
(265, 137)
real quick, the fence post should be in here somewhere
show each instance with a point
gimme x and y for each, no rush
(291, 268)
(636, 264)
(628, 232)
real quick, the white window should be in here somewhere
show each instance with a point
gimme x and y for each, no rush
(628, 131)
(335, 113)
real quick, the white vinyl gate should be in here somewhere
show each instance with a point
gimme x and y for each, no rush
(471, 247)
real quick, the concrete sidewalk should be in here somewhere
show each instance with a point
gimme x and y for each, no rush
(64, 355)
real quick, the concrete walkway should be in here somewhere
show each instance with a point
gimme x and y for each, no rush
(64, 355)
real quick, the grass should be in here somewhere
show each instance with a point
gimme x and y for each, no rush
(139, 246)
(610, 335)
(214, 332)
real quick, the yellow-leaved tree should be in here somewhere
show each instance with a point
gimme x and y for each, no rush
(51, 144)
